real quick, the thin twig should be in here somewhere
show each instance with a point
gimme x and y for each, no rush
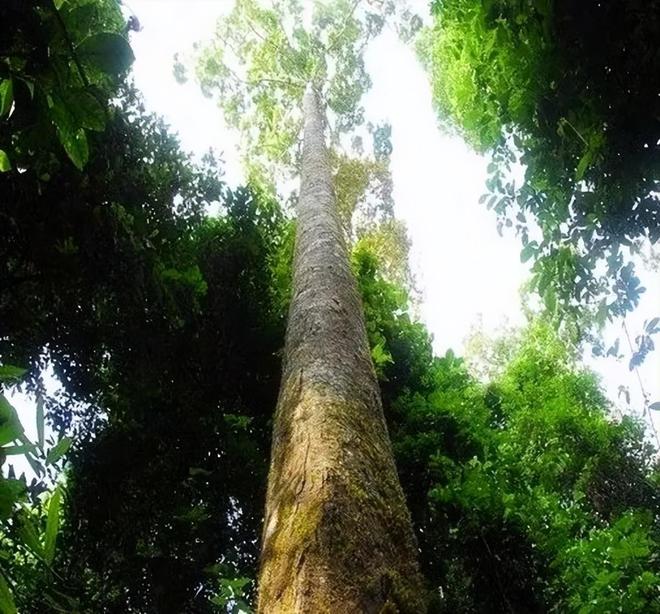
(497, 575)
(646, 411)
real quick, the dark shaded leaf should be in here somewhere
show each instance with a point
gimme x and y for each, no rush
(107, 51)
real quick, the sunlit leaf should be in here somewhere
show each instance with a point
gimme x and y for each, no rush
(5, 164)
(52, 524)
(6, 96)
(58, 450)
(10, 425)
(7, 604)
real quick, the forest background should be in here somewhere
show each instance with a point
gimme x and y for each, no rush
(581, 514)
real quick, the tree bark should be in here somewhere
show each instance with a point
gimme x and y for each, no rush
(337, 534)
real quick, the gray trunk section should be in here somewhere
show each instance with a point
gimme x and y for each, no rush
(337, 535)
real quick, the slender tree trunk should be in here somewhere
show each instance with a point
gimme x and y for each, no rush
(337, 534)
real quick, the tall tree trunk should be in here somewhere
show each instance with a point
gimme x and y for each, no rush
(337, 534)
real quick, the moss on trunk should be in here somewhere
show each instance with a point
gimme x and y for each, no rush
(337, 535)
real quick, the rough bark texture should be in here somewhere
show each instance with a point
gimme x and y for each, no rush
(337, 534)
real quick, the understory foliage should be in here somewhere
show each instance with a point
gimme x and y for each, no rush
(525, 496)
(164, 325)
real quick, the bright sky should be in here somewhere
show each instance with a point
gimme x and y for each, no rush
(463, 266)
(465, 270)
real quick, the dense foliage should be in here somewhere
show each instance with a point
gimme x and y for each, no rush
(59, 64)
(516, 487)
(568, 90)
(525, 496)
(164, 326)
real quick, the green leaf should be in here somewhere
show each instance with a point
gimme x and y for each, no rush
(88, 111)
(11, 492)
(10, 372)
(75, 145)
(10, 425)
(5, 164)
(71, 136)
(40, 422)
(528, 251)
(28, 533)
(6, 96)
(380, 355)
(7, 605)
(58, 450)
(583, 164)
(52, 525)
(107, 51)
(550, 300)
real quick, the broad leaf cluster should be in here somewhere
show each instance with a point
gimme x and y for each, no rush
(569, 92)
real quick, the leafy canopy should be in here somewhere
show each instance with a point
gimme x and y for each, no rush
(262, 59)
(258, 65)
(568, 90)
(59, 64)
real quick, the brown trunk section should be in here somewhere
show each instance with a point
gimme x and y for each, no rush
(337, 535)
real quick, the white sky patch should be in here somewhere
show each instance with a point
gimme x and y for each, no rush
(168, 27)
(26, 407)
(464, 268)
